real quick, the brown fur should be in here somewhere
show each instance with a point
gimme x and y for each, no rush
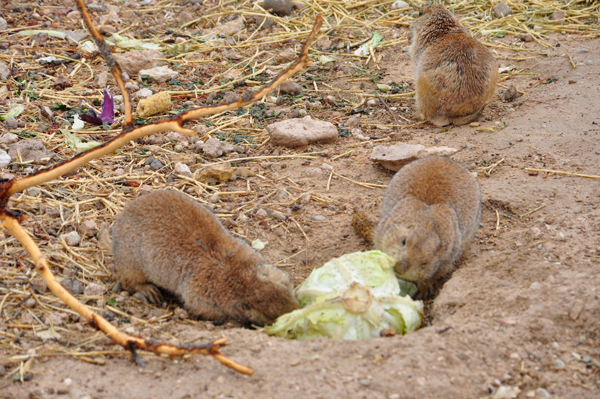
(430, 214)
(168, 240)
(455, 75)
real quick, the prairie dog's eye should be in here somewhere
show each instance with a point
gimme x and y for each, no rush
(404, 241)
(420, 13)
(246, 307)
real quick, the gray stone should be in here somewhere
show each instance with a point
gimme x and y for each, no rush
(557, 16)
(30, 150)
(290, 88)
(229, 28)
(3, 24)
(33, 191)
(501, 10)
(72, 239)
(4, 71)
(88, 228)
(559, 364)
(93, 289)
(4, 159)
(396, 156)
(184, 18)
(9, 138)
(73, 286)
(75, 35)
(285, 57)
(526, 37)
(11, 122)
(156, 165)
(319, 218)
(353, 121)
(542, 393)
(39, 284)
(101, 79)
(582, 51)
(159, 74)
(278, 7)
(399, 5)
(212, 148)
(294, 133)
(134, 61)
(143, 93)
(182, 169)
(364, 382)
(261, 214)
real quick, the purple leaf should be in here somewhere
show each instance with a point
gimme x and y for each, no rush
(108, 109)
(91, 117)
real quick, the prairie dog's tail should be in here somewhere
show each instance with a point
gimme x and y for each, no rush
(104, 239)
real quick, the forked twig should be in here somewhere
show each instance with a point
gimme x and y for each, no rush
(11, 221)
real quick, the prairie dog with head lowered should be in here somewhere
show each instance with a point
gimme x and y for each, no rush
(429, 216)
(455, 75)
(165, 239)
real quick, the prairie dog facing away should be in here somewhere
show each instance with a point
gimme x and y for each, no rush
(166, 239)
(430, 214)
(455, 75)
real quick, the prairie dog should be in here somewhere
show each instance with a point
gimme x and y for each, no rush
(455, 75)
(429, 216)
(165, 239)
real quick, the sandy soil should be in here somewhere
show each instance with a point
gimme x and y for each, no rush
(520, 315)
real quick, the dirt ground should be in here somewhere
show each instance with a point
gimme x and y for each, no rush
(520, 318)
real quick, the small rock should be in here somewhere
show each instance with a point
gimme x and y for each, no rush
(506, 392)
(178, 138)
(159, 74)
(519, 138)
(244, 172)
(182, 169)
(73, 286)
(30, 303)
(11, 122)
(39, 284)
(542, 393)
(62, 81)
(3, 26)
(261, 214)
(526, 37)
(132, 86)
(582, 51)
(303, 199)
(213, 199)
(9, 138)
(72, 239)
(396, 156)
(213, 148)
(93, 289)
(510, 94)
(4, 71)
(74, 15)
(216, 173)
(312, 172)
(280, 232)
(134, 61)
(101, 79)
(4, 159)
(229, 28)
(291, 88)
(372, 102)
(294, 133)
(576, 309)
(358, 133)
(278, 7)
(353, 121)
(143, 93)
(557, 16)
(156, 165)
(211, 98)
(319, 218)
(285, 57)
(30, 150)
(364, 382)
(33, 191)
(400, 5)
(559, 364)
(184, 18)
(180, 314)
(27, 318)
(107, 29)
(501, 10)
(326, 166)
(88, 228)
(278, 215)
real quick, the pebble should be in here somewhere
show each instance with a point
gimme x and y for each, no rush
(300, 132)
(365, 382)
(396, 156)
(72, 239)
(39, 284)
(72, 285)
(88, 228)
(559, 364)
(156, 165)
(143, 93)
(159, 74)
(586, 359)
(11, 123)
(399, 5)
(9, 138)
(30, 303)
(280, 232)
(557, 16)
(319, 218)
(117, 288)
(278, 7)
(33, 191)
(542, 393)
(582, 51)
(526, 37)
(213, 199)
(291, 88)
(506, 392)
(31, 150)
(519, 139)
(3, 26)
(372, 102)
(261, 214)
(278, 215)
(501, 10)
(326, 166)
(182, 169)
(93, 289)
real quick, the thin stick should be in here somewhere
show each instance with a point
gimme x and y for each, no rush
(533, 211)
(497, 222)
(560, 172)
